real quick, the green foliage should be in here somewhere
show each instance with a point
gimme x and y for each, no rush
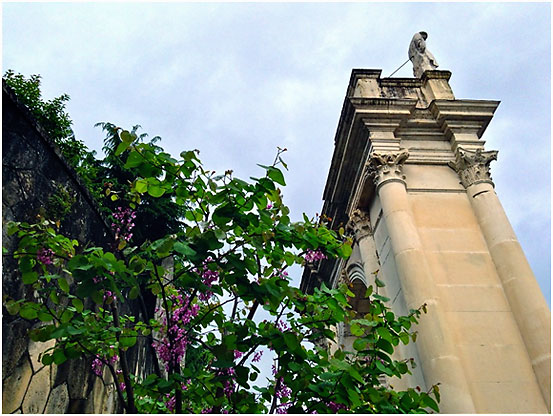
(53, 118)
(59, 204)
(51, 115)
(212, 275)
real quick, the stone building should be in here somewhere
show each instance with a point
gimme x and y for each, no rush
(411, 177)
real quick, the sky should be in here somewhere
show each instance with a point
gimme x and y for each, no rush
(237, 80)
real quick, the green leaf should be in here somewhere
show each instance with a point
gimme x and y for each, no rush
(133, 160)
(360, 344)
(127, 340)
(59, 357)
(121, 148)
(184, 249)
(276, 175)
(13, 307)
(63, 284)
(28, 311)
(44, 316)
(427, 401)
(356, 330)
(66, 316)
(127, 137)
(78, 304)
(384, 333)
(47, 359)
(134, 292)
(29, 277)
(141, 185)
(155, 191)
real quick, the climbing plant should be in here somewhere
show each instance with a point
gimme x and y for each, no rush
(222, 292)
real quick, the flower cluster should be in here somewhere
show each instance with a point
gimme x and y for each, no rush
(45, 256)
(109, 296)
(172, 345)
(336, 406)
(98, 364)
(257, 356)
(123, 223)
(228, 384)
(314, 255)
(282, 326)
(208, 278)
(282, 391)
(283, 274)
(171, 403)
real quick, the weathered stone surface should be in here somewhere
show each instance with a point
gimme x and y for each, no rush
(35, 351)
(15, 386)
(14, 341)
(77, 379)
(58, 400)
(37, 393)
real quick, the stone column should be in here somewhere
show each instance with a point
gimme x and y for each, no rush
(521, 288)
(362, 232)
(439, 359)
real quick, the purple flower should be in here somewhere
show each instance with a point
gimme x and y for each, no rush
(45, 256)
(181, 315)
(123, 223)
(314, 255)
(269, 206)
(97, 366)
(257, 356)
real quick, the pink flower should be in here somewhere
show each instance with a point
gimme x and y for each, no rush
(257, 356)
(45, 256)
(313, 255)
(97, 366)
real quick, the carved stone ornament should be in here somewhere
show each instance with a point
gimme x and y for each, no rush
(359, 225)
(384, 167)
(421, 57)
(473, 167)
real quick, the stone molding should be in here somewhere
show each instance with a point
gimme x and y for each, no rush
(359, 225)
(386, 167)
(473, 167)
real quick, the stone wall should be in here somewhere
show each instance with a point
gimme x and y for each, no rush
(32, 172)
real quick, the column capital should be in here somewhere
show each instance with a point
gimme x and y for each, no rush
(386, 167)
(359, 225)
(473, 167)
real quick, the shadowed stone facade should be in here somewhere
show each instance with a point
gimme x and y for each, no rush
(411, 179)
(32, 171)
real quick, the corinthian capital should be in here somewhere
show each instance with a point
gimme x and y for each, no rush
(388, 166)
(359, 225)
(473, 167)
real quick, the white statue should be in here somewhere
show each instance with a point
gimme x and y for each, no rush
(421, 57)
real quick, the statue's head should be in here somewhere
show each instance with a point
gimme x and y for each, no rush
(424, 35)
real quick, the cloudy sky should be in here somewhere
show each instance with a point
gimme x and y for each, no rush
(238, 80)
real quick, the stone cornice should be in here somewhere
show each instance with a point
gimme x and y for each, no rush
(463, 116)
(473, 167)
(386, 167)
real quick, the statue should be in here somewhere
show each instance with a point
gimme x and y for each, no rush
(421, 57)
